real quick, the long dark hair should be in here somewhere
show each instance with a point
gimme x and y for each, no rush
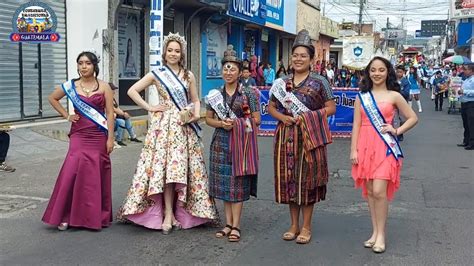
(366, 83)
(95, 62)
(415, 72)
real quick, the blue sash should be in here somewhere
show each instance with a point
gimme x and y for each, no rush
(84, 108)
(376, 119)
(177, 92)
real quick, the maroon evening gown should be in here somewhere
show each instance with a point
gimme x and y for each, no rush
(82, 195)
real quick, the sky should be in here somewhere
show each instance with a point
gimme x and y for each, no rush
(377, 11)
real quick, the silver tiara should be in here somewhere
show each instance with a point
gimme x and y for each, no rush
(175, 37)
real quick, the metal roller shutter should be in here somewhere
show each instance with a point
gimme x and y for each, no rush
(43, 67)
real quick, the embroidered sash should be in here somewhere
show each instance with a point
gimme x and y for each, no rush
(215, 99)
(244, 148)
(287, 99)
(177, 92)
(84, 108)
(377, 120)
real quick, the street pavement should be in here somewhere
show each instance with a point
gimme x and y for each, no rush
(430, 220)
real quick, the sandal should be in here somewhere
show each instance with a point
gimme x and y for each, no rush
(222, 233)
(304, 237)
(234, 237)
(290, 236)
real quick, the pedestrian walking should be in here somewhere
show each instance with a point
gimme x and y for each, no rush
(234, 112)
(269, 75)
(169, 189)
(82, 196)
(439, 86)
(467, 107)
(375, 153)
(4, 146)
(414, 88)
(300, 157)
(404, 91)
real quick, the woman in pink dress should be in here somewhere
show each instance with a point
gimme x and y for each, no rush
(82, 195)
(375, 153)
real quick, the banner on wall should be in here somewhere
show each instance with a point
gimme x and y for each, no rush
(357, 51)
(462, 9)
(268, 123)
(340, 124)
(129, 48)
(216, 45)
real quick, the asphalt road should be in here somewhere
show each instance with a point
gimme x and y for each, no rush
(430, 220)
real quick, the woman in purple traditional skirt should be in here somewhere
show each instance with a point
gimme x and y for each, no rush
(233, 152)
(82, 195)
(300, 159)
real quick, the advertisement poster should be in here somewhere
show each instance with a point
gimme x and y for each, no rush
(129, 48)
(357, 51)
(275, 14)
(462, 8)
(216, 46)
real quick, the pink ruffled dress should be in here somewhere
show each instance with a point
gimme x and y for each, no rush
(374, 163)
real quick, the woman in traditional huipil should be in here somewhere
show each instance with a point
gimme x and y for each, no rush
(82, 195)
(233, 160)
(170, 185)
(375, 154)
(300, 159)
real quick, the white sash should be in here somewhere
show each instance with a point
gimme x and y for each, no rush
(377, 120)
(215, 99)
(84, 108)
(177, 92)
(287, 99)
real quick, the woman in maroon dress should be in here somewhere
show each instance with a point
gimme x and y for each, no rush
(82, 195)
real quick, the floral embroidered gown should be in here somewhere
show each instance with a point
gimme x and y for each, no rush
(171, 154)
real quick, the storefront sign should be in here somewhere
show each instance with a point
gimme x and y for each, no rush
(250, 10)
(34, 22)
(340, 124)
(129, 48)
(275, 14)
(216, 46)
(462, 9)
(357, 51)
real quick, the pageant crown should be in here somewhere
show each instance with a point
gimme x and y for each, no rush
(303, 39)
(175, 37)
(230, 55)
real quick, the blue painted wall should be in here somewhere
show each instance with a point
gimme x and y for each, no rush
(236, 38)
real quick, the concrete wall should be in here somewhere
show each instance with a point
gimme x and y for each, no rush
(86, 20)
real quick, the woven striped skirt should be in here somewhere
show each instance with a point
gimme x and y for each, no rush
(222, 185)
(296, 180)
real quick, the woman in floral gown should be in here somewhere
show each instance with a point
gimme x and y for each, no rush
(170, 185)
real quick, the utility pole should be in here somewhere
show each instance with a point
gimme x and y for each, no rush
(361, 8)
